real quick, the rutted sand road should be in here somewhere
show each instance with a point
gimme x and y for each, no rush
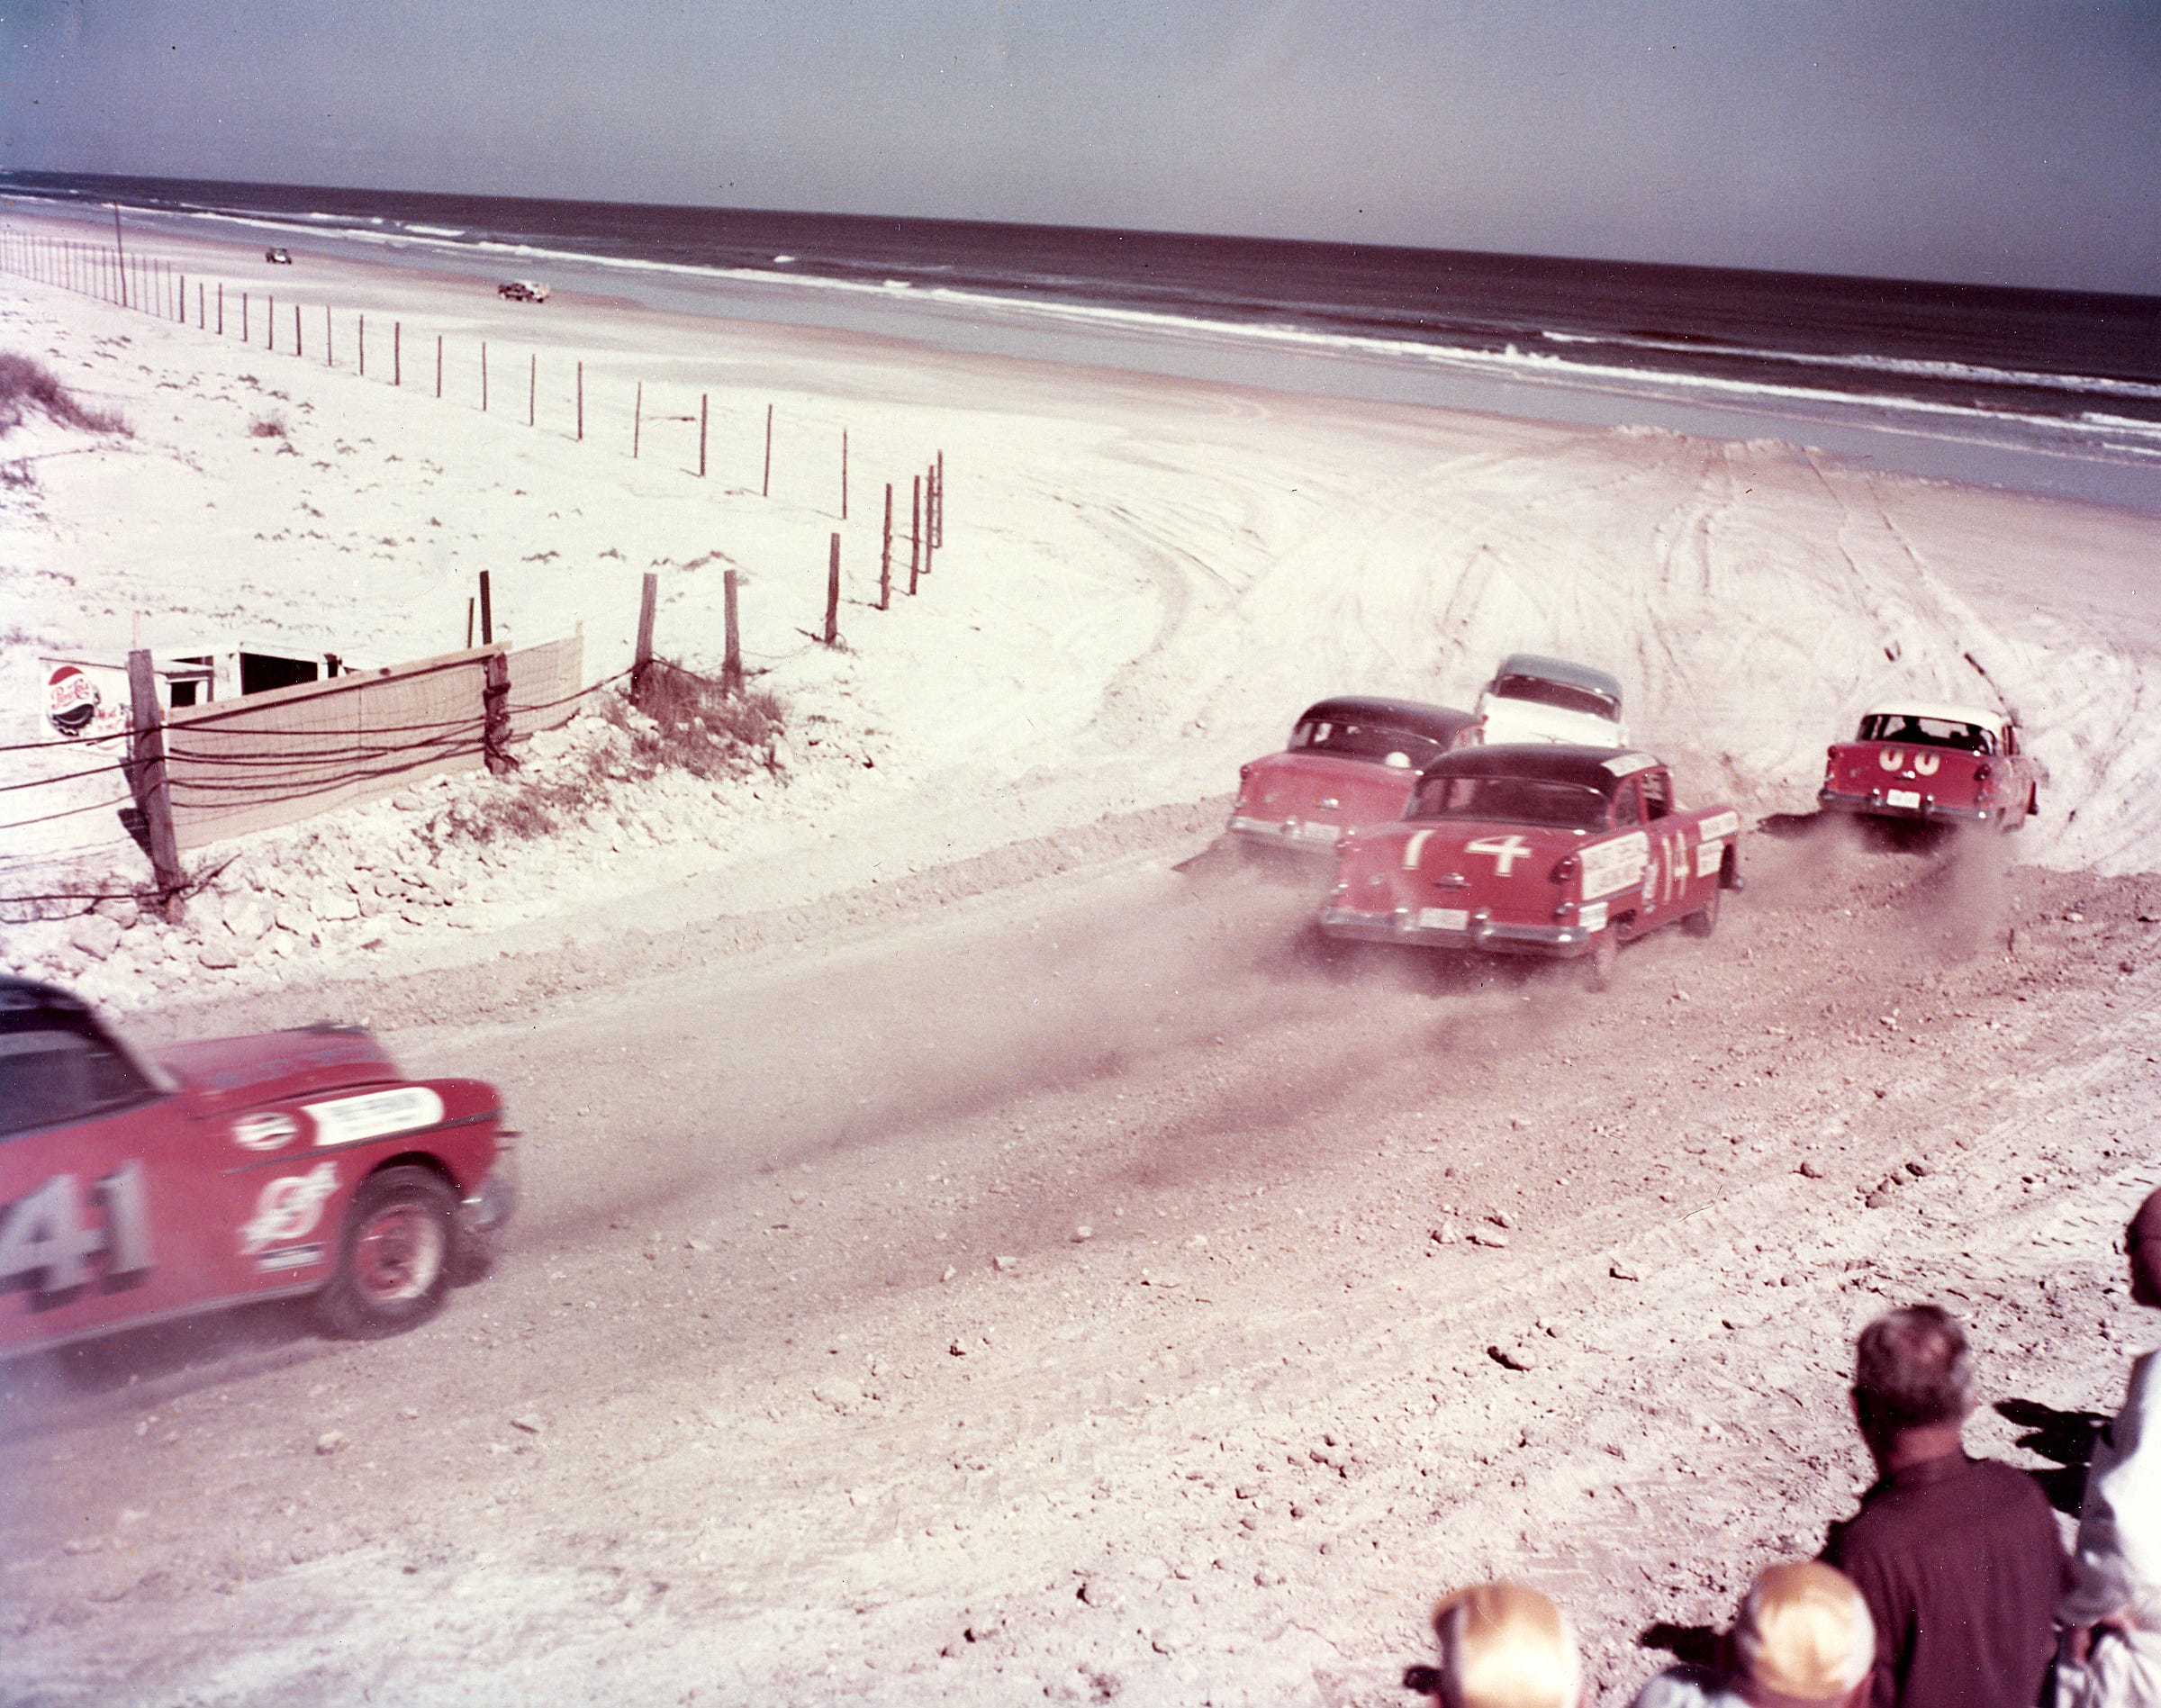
(720, 1430)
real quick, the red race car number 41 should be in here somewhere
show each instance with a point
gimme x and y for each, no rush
(43, 1235)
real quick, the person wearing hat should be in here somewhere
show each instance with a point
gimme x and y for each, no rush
(2111, 1616)
(1502, 1646)
(1802, 1639)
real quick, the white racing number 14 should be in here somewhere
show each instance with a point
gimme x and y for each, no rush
(43, 1235)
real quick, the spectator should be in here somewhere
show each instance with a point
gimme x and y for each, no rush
(2112, 1617)
(1502, 1646)
(1958, 1558)
(1802, 1636)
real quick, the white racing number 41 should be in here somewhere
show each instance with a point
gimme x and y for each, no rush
(43, 1235)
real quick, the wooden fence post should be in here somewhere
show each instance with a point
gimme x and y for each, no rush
(731, 659)
(397, 353)
(641, 661)
(438, 365)
(330, 345)
(270, 323)
(483, 376)
(532, 388)
(246, 337)
(915, 535)
(468, 622)
(885, 555)
(148, 779)
(843, 473)
(487, 613)
(702, 400)
(833, 594)
(638, 417)
(581, 402)
(930, 510)
(495, 715)
(299, 344)
(364, 347)
(765, 486)
(937, 526)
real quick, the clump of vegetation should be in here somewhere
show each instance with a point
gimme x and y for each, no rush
(694, 726)
(270, 426)
(26, 385)
(676, 721)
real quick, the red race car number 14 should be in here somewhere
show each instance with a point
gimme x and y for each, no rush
(46, 1243)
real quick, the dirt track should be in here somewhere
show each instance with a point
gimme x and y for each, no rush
(721, 1431)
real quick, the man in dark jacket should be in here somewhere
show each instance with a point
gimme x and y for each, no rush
(1958, 1559)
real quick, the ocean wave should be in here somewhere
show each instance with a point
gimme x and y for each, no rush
(1906, 366)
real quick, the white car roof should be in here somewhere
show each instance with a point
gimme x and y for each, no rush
(1942, 713)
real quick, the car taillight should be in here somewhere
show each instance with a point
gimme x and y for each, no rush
(1983, 774)
(1568, 868)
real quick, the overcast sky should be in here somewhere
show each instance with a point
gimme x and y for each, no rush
(2015, 143)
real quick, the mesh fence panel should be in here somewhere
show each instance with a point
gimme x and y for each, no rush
(276, 758)
(544, 685)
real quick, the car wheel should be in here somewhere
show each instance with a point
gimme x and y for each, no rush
(1703, 921)
(1598, 965)
(394, 1262)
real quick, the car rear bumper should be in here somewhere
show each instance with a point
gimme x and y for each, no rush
(1927, 809)
(1494, 937)
(1316, 840)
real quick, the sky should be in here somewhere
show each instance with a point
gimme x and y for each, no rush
(2010, 143)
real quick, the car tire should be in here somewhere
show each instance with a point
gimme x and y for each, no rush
(1703, 921)
(1598, 964)
(395, 1258)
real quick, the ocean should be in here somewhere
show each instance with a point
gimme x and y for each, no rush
(2047, 391)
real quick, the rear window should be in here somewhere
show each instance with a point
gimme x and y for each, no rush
(1513, 800)
(1378, 742)
(1927, 732)
(1561, 695)
(53, 1076)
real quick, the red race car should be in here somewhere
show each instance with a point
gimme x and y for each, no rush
(1938, 764)
(134, 1190)
(1536, 849)
(1351, 761)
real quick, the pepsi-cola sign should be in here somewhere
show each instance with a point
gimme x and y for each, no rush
(75, 707)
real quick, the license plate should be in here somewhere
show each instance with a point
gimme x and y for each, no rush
(1902, 797)
(1443, 918)
(1315, 832)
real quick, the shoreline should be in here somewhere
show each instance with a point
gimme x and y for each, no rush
(2048, 457)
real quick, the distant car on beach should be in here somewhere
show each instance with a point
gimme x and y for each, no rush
(278, 258)
(1934, 764)
(1536, 848)
(522, 291)
(135, 1188)
(1351, 761)
(1535, 699)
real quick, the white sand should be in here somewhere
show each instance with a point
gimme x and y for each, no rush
(1143, 581)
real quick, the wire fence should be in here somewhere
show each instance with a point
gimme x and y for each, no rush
(229, 767)
(224, 773)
